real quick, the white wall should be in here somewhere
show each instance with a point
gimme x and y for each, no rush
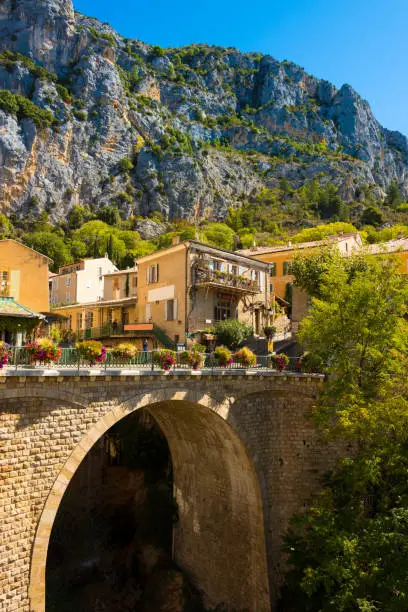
(90, 279)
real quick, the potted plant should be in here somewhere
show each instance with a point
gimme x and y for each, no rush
(43, 350)
(269, 331)
(165, 358)
(124, 351)
(91, 351)
(245, 357)
(5, 354)
(311, 363)
(194, 357)
(223, 356)
(280, 361)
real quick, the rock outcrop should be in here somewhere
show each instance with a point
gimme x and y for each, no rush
(187, 132)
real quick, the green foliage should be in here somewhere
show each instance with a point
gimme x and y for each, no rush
(349, 550)
(25, 109)
(232, 332)
(220, 235)
(9, 59)
(320, 232)
(372, 216)
(6, 227)
(393, 198)
(157, 51)
(64, 93)
(223, 356)
(51, 245)
(125, 165)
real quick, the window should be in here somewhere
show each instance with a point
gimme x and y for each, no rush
(55, 283)
(170, 310)
(287, 266)
(4, 283)
(68, 281)
(68, 296)
(134, 281)
(116, 283)
(222, 311)
(153, 274)
(217, 265)
(234, 270)
(79, 320)
(273, 268)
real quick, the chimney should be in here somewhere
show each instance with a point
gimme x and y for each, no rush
(175, 240)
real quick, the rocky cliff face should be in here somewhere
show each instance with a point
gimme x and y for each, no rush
(186, 131)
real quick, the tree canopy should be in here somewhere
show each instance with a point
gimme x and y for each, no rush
(348, 551)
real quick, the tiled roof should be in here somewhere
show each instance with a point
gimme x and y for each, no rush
(259, 250)
(10, 308)
(400, 244)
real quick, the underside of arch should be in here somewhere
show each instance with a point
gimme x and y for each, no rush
(219, 538)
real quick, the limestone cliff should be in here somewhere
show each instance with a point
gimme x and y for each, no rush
(186, 131)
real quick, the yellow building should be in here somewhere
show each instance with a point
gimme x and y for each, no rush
(281, 257)
(24, 275)
(23, 290)
(190, 286)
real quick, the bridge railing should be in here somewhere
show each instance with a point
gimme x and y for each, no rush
(71, 359)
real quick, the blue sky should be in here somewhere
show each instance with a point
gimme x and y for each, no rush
(360, 42)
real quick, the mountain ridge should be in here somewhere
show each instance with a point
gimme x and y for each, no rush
(188, 131)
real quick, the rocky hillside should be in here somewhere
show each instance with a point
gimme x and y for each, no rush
(87, 116)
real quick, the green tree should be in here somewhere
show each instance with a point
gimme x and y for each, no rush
(232, 332)
(372, 216)
(348, 552)
(393, 197)
(51, 245)
(220, 235)
(6, 227)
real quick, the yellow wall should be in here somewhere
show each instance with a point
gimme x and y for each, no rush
(172, 274)
(27, 273)
(280, 280)
(114, 287)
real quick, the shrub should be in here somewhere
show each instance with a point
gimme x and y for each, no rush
(125, 350)
(157, 51)
(280, 361)
(165, 358)
(64, 94)
(125, 165)
(5, 354)
(245, 357)
(24, 108)
(223, 356)
(311, 363)
(232, 332)
(91, 351)
(43, 350)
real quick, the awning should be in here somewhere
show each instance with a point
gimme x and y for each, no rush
(10, 308)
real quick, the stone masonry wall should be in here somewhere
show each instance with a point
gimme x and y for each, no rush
(49, 422)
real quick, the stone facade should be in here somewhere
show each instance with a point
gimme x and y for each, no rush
(245, 458)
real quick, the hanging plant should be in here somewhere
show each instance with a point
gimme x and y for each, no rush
(91, 351)
(280, 361)
(223, 356)
(125, 350)
(245, 357)
(43, 350)
(192, 358)
(5, 354)
(165, 359)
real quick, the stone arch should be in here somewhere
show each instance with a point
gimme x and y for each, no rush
(216, 488)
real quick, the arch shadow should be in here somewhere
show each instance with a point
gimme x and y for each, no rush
(219, 539)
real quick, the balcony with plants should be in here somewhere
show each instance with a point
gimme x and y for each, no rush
(205, 276)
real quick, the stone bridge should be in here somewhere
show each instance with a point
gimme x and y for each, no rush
(245, 457)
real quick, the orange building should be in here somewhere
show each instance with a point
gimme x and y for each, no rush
(281, 257)
(398, 247)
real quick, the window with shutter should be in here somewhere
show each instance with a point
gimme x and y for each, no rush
(273, 268)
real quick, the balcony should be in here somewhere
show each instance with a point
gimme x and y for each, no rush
(205, 277)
